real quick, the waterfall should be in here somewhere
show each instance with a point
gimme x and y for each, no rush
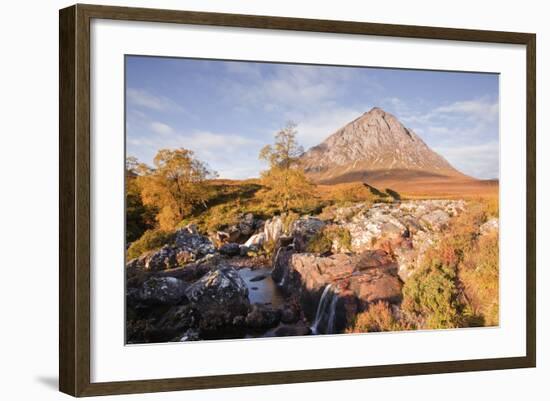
(332, 314)
(321, 309)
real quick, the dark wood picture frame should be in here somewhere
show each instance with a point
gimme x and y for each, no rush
(74, 199)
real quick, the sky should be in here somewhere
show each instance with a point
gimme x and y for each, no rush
(226, 111)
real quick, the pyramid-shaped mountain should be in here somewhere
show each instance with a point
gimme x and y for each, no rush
(373, 147)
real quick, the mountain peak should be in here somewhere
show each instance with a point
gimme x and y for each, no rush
(375, 141)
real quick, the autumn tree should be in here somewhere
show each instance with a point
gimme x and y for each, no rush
(285, 180)
(139, 217)
(175, 185)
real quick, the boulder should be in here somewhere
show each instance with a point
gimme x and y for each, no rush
(290, 314)
(303, 230)
(273, 229)
(188, 239)
(164, 258)
(371, 225)
(255, 240)
(188, 246)
(247, 225)
(230, 249)
(158, 291)
(219, 296)
(262, 317)
(159, 324)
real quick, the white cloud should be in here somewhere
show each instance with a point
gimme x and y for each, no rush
(480, 161)
(315, 128)
(143, 98)
(161, 128)
(232, 156)
(296, 90)
(479, 108)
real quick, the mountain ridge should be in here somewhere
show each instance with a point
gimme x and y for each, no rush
(375, 145)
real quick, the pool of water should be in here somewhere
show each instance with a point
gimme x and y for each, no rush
(261, 287)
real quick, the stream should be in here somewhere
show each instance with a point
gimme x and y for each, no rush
(261, 287)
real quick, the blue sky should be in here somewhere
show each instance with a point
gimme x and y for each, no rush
(226, 111)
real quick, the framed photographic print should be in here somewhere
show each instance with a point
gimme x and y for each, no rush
(250, 200)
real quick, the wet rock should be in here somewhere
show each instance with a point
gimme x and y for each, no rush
(289, 314)
(159, 324)
(243, 250)
(262, 317)
(190, 335)
(230, 249)
(287, 330)
(281, 263)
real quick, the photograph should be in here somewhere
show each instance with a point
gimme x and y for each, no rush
(270, 199)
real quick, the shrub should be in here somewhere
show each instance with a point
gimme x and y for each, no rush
(491, 205)
(346, 194)
(394, 194)
(430, 296)
(151, 239)
(378, 317)
(479, 274)
(288, 221)
(457, 283)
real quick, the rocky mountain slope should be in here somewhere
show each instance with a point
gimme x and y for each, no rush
(372, 147)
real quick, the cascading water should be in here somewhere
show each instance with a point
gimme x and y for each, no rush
(327, 301)
(332, 314)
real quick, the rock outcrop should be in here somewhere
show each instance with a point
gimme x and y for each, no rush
(405, 229)
(355, 281)
(188, 246)
(164, 308)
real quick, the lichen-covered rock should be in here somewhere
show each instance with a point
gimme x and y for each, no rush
(436, 220)
(188, 239)
(164, 258)
(219, 296)
(188, 246)
(158, 291)
(303, 230)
